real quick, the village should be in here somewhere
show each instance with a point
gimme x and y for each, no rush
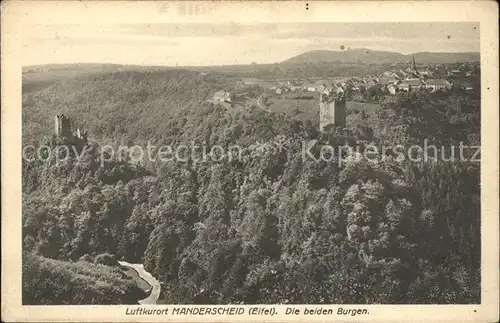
(337, 95)
(432, 77)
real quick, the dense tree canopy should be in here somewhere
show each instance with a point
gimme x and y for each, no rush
(271, 226)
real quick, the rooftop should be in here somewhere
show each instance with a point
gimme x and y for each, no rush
(413, 82)
(437, 82)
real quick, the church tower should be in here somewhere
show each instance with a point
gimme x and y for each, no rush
(414, 70)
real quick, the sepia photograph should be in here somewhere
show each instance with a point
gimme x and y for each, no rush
(203, 162)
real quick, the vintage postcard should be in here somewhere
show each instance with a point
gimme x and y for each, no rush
(250, 161)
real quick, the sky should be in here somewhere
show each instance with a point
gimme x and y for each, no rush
(202, 44)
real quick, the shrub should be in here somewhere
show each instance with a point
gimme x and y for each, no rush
(86, 258)
(106, 259)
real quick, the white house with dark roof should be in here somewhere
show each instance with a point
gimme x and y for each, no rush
(437, 84)
(427, 73)
(388, 74)
(223, 96)
(410, 84)
(309, 87)
(387, 80)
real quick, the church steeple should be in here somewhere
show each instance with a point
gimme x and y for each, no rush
(414, 65)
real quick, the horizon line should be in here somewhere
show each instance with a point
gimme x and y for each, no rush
(256, 63)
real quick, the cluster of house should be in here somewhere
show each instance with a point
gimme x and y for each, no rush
(392, 81)
(294, 86)
(433, 77)
(414, 83)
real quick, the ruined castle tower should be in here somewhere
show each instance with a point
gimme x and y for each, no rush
(62, 126)
(332, 110)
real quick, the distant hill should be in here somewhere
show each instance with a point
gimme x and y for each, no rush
(378, 57)
(37, 77)
(85, 67)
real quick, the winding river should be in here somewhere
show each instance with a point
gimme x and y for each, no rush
(155, 285)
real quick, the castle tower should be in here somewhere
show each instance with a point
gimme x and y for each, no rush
(62, 126)
(84, 136)
(332, 111)
(57, 127)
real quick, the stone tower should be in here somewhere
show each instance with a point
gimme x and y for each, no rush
(332, 110)
(62, 126)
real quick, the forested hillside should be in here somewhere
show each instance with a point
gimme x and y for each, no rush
(271, 226)
(54, 282)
